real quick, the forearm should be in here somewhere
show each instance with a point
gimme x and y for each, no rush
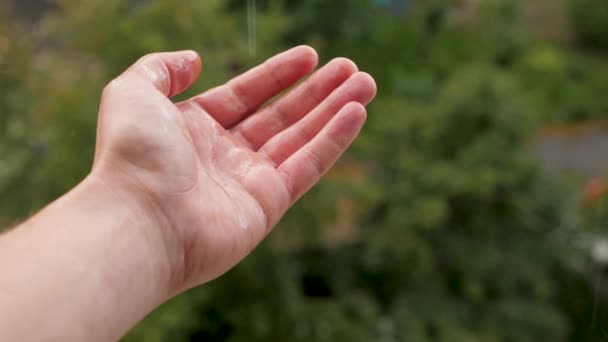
(88, 267)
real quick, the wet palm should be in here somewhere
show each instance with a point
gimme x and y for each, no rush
(218, 169)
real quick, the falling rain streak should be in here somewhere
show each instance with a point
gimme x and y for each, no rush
(251, 26)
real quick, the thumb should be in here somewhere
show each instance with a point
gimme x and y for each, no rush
(169, 72)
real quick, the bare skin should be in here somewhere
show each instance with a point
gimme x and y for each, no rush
(179, 193)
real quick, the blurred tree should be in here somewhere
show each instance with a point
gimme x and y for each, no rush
(20, 148)
(591, 23)
(479, 217)
(456, 235)
(564, 86)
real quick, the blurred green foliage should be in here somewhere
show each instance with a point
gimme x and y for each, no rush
(591, 20)
(455, 234)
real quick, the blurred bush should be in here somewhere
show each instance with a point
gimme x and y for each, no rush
(591, 23)
(453, 233)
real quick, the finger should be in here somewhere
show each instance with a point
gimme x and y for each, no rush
(169, 72)
(305, 167)
(244, 94)
(360, 88)
(276, 117)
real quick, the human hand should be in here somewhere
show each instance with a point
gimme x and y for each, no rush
(219, 170)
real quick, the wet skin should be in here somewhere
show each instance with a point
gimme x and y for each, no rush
(220, 168)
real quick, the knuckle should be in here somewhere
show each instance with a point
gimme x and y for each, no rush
(316, 162)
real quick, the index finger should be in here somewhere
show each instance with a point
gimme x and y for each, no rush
(243, 95)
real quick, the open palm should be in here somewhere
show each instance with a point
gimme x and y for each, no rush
(220, 169)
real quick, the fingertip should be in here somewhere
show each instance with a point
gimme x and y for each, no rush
(345, 65)
(371, 82)
(184, 69)
(355, 108)
(356, 112)
(304, 58)
(190, 55)
(345, 126)
(196, 61)
(366, 85)
(309, 54)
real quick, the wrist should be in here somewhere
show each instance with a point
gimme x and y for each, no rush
(102, 256)
(144, 214)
